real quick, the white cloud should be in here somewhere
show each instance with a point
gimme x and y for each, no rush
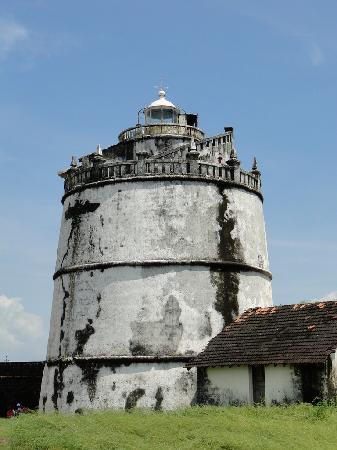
(315, 54)
(30, 44)
(12, 34)
(19, 329)
(330, 296)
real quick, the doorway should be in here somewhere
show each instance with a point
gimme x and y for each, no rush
(258, 381)
(311, 377)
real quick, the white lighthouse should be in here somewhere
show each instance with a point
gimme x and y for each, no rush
(162, 243)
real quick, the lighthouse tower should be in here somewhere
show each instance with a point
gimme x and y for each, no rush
(162, 243)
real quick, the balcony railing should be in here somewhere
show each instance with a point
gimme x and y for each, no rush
(161, 129)
(116, 170)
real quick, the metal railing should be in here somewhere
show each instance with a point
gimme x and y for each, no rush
(174, 129)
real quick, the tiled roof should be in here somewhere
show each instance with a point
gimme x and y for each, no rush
(301, 333)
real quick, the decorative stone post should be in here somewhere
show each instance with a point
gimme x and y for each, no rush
(141, 156)
(234, 163)
(255, 171)
(192, 157)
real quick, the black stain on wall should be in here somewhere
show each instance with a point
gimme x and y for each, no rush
(137, 349)
(158, 337)
(82, 337)
(205, 328)
(44, 401)
(58, 385)
(90, 370)
(133, 397)
(100, 247)
(68, 295)
(229, 249)
(80, 208)
(205, 394)
(227, 289)
(70, 397)
(64, 306)
(99, 309)
(159, 399)
(91, 240)
(89, 377)
(74, 213)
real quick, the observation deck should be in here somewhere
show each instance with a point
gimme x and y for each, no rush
(161, 129)
(109, 172)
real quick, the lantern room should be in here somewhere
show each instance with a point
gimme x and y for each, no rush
(161, 111)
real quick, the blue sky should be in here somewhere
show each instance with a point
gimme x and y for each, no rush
(74, 74)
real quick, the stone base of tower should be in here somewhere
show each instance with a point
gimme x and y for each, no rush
(117, 384)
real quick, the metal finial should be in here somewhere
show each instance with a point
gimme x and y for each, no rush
(73, 161)
(99, 150)
(161, 93)
(254, 166)
(161, 89)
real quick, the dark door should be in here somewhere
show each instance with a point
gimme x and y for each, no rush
(258, 380)
(312, 386)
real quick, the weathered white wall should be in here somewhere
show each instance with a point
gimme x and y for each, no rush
(233, 385)
(170, 310)
(249, 229)
(151, 310)
(282, 384)
(164, 220)
(253, 291)
(143, 385)
(330, 384)
(228, 385)
(127, 307)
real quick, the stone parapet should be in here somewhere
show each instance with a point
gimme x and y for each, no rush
(133, 169)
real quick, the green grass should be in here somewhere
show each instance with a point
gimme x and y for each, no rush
(288, 427)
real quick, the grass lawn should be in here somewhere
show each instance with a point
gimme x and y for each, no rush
(279, 427)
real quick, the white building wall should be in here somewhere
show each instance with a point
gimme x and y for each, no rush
(282, 384)
(330, 386)
(227, 386)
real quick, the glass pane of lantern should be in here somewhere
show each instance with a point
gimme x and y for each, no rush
(156, 115)
(167, 115)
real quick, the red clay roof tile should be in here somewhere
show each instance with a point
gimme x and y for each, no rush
(301, 333)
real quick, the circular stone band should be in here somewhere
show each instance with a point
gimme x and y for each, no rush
(220, 181)
(227, 265)
(118, 359)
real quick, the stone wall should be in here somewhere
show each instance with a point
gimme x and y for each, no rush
(20, 382)
(114, 384)
(149, 268)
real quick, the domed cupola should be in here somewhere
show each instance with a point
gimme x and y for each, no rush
(161, 111)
